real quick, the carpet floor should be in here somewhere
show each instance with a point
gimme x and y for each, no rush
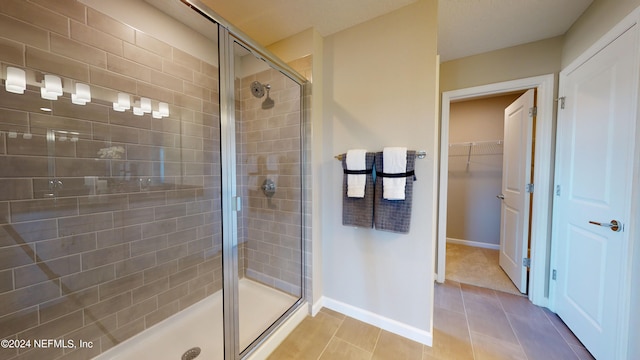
(477, 266)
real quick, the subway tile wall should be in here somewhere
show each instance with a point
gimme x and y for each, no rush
(98, 245)
(270, 148)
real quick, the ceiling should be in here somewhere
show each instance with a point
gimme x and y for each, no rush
(465, 27)
(468, 27)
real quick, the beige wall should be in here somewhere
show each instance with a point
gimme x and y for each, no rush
(533, 59)
(380, 90)
(294, 47)
(473, 212)
(599, 18)
(537, 58)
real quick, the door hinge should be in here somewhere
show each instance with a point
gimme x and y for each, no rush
(561, 102)
(529, 188)
(526, 262)
(558, 190)
(533, 111)
(553, 274)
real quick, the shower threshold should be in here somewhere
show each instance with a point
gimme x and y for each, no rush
(200, 326)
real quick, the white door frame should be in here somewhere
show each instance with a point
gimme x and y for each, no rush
(543, 176)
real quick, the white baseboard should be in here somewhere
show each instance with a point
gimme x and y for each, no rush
(317, 306)
(474, 243)
(437, 279)
(398, 328)
(273, 341)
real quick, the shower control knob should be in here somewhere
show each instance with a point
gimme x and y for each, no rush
(269, 187)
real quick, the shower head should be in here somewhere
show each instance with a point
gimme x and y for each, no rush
(257, 89)
(268, 102)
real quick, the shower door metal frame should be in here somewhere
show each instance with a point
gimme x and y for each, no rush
(230, 98)
(231, 202)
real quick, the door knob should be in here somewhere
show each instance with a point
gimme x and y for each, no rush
(500, 196)
(614, 225)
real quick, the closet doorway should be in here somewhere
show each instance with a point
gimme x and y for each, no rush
(476, 149)
(476, 154)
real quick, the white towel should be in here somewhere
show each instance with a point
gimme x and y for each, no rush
(394, 161)
(356, 160)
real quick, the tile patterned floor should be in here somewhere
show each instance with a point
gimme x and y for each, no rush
(469, 323)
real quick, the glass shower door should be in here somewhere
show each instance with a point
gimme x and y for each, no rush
(110, 214)
(268, 122)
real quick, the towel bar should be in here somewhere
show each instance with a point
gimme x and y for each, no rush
(420, 154)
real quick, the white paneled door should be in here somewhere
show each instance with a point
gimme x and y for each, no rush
(516, 174)
(596, 129)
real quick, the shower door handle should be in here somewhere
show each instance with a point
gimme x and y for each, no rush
(237, 204)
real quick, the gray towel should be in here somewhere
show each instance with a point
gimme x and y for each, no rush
(394, 215)
(358, 211)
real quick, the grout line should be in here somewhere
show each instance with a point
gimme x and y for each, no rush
(355, 345)
(547, 316)
(331, 338)
(574, 351)
(375, 346)
(466, 318)
(515, 333)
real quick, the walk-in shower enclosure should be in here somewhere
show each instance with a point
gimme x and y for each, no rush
(152, 205)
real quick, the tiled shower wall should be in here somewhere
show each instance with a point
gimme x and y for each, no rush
(98, 245)
(270, 149)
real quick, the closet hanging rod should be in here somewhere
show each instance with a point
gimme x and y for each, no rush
(420, 154)
(477, 143)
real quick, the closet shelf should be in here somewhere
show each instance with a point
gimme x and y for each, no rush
(468, 149)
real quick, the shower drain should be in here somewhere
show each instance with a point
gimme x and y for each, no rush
(191, 353)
